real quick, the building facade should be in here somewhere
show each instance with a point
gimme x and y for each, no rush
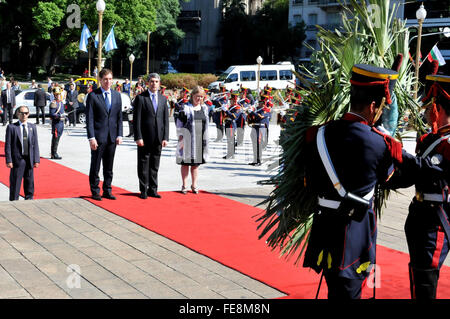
(325, 13)
(200, 20)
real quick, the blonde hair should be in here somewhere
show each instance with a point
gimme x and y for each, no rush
(196, 90)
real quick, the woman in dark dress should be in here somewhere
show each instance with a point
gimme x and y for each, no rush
(192, 130)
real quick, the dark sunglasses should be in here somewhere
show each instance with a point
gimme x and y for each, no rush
(24, 113)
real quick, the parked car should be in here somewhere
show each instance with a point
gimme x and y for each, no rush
(26, 97)
(126, 106)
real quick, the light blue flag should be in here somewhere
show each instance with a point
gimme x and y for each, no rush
(85, 34)
(96, 40)
(110, 42)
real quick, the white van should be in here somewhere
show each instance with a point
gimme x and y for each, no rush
(277, 76)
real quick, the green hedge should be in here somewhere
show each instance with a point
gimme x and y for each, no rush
(188, 80)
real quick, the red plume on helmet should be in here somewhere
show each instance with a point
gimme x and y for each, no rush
(397, 62)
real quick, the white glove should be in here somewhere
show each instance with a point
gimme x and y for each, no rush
(223, 107)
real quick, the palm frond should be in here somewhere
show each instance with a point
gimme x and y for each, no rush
(361, 39)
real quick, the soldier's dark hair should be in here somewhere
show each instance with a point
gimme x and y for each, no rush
(104, 72)
(362, 97)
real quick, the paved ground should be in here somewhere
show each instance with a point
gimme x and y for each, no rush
(70, 248)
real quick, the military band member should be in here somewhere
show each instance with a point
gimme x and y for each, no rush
(230, 114)
(217, 114)
(258, 131)
(57, 117)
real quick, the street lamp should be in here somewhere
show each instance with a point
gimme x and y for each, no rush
(131, 58)
(148, 51)
(259, 61)
(421, 14)
(100, 8)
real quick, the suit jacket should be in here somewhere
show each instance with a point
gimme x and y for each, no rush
(40, 97)
(101, 125)
(13, 144)
(72, 97)
(12, 98)
(150, 126)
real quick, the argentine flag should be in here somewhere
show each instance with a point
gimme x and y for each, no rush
(110, 42)
(85, 34)
(96, 40)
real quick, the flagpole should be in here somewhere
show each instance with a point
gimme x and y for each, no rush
(420, 15)
(89, 59)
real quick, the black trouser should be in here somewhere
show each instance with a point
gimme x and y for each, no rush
(428, 247)
(104, 154)
(8, 112)
(42, 110)
(343, 288)
(22, 170)
(148, 165)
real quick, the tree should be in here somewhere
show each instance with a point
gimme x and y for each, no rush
(37, 30)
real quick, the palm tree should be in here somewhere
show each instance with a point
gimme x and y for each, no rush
(370, 34)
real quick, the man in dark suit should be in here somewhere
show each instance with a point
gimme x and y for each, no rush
(9, 103)
(104, 131)
(22, 155)
(151, 133)
(40, 100)
(72, 104)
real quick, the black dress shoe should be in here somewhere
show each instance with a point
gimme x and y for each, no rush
(56, 156)
(96, 197)
(109, 196)
(143, 195)
(154, 194)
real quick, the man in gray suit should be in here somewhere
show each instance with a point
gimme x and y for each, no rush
(22, 155)
(151, 133)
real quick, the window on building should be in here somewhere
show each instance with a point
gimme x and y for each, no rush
(312, 19)
(285, 75)
(334, 18)
(297, 18)
(248, 76)
(297, 2)
(313, 1)
(268, 75)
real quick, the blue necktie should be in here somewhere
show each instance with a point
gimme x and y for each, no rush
(108, 102)
(155, 106)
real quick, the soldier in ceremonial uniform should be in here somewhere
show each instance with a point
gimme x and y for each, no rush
(427, 226)
(256, 122)
(230, 115)
(217, 115)
(241, 118)
(348, 158)
(57, 117)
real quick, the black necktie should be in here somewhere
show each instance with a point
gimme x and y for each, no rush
(25, 141)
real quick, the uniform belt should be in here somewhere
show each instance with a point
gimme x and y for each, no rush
(334, 204)
(430, 197)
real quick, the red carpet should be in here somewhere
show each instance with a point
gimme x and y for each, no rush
(222, 229)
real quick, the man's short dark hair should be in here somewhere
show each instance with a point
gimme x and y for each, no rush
(362, 97)
(104, 72)
(40, 85)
